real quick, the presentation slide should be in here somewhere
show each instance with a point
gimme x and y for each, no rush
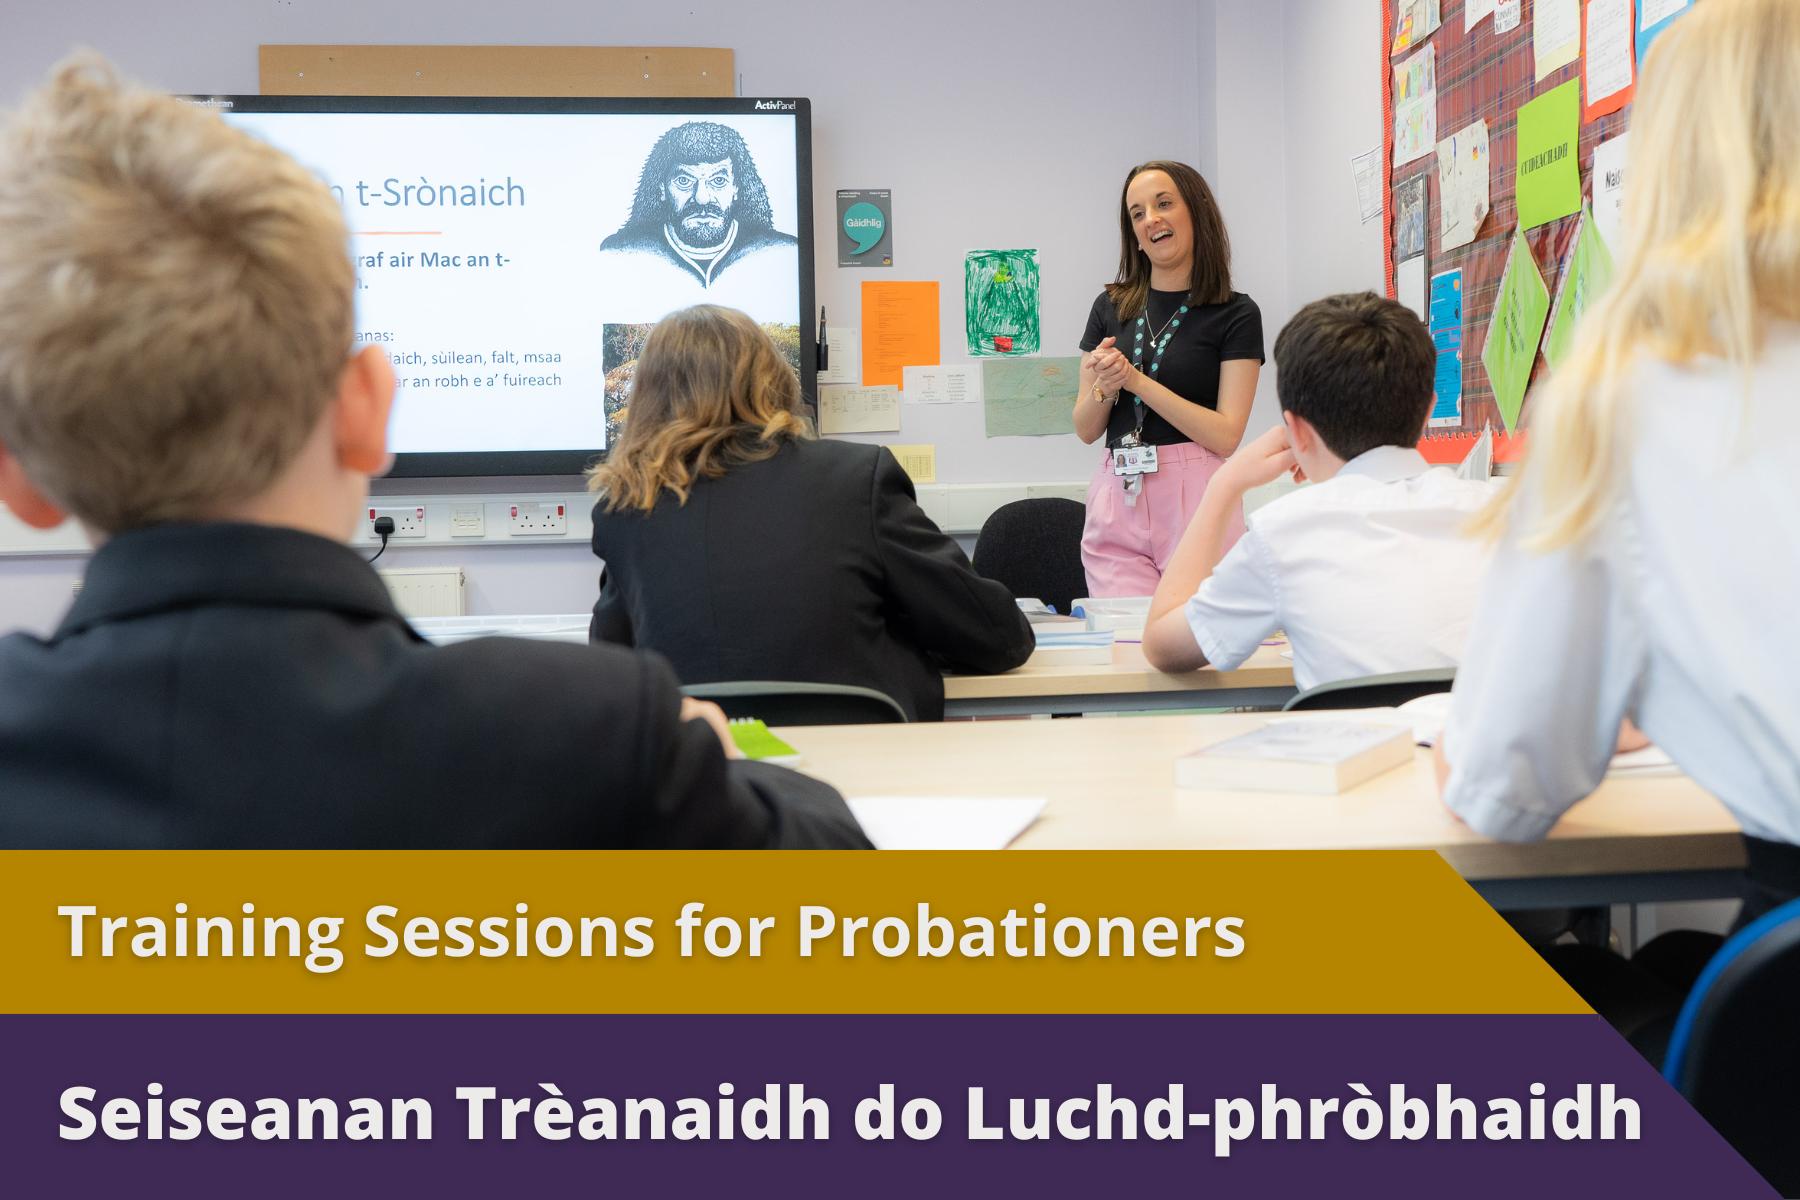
(512, 264)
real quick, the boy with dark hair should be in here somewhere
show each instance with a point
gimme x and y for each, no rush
(177, 372)
(1369, 569)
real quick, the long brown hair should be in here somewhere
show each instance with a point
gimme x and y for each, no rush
(1211, 279)
(711, 393)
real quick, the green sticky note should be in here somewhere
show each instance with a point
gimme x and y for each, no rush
(1589, 271)
(1549, 179)
(755, 740)
(1520, 308)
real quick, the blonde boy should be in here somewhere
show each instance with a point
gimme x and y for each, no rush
(177, 374)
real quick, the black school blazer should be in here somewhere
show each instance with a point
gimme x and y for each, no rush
(815, 565)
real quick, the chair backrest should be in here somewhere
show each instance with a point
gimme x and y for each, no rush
(782, 702)
(1034, 548)
(1735, 1051)
(1374, 691)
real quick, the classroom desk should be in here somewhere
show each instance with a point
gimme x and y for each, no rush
(1110, 785)
(1128, 685)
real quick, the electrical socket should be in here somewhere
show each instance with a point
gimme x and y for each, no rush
(537, 518)
(467, 521)
(408, 522)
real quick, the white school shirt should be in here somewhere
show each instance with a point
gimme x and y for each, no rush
(1679, 611)
(1369, 572)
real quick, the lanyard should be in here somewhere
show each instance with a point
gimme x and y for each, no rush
(1159, 343)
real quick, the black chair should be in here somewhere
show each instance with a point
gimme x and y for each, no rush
(779, 702)
(1034, 548)
(1735, 1052)
(1374, 691)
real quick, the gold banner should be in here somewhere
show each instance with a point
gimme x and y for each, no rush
(616, 932)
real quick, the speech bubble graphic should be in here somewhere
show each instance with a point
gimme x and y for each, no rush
(864, 224)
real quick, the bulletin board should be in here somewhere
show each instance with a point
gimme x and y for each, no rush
(1482, 75)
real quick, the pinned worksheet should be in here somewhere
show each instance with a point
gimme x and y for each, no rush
(1463, 169)
(1446, 325)
(1520, 307)
(960, 384)
(1608, 63)
(1029, 397)
(1555, 35)
(1549, 180)
(844, 356)
(859, 410)
(1415, 107)
(1609, 191)
(899, 329)
(918, 461)
(1589, 270)
(1414, 21)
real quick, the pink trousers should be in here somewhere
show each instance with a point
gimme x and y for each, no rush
(1125, 548)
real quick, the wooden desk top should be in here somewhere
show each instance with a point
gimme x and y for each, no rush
(1110, 785)
(1129, 672)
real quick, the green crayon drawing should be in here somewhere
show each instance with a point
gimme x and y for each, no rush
(1000, 302)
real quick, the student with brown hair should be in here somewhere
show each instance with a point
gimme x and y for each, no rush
(177, 373)
(743, 548)
(1369, 568)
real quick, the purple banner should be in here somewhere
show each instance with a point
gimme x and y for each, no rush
(1250, 1105)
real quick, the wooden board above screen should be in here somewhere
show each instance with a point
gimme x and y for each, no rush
(301, 70)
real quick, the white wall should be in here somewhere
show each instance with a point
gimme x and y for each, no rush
(996, 122)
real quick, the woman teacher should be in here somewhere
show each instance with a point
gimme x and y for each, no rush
(1168, 373)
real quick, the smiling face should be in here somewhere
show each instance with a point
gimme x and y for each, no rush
(1164, 228)
(700, 200)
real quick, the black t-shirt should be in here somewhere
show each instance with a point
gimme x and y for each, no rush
(1209, 334)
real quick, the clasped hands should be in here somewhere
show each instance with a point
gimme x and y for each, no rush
(1112, 370)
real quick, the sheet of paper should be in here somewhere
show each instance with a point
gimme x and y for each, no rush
(1608, 63)
(1585, 276)
(899, 329)
(1029, 397)
(1414, 21)
(1555, 34)
(1473, 11)
(1446, 324)
(859, 410)
(1549, 179)
(1507, 14)
(1366, 170)
(1409, 218)
(1609, 191)
(1520, 306)
(1463, 168)
(943, 385)
(1415, 106)
(844, 354)
(1000, 302)
(918, 461)
(1654, 16)
(1409, 287)
(945, 822)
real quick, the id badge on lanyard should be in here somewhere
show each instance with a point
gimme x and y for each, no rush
(1131, 461)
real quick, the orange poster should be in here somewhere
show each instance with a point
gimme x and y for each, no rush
(899, 329)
